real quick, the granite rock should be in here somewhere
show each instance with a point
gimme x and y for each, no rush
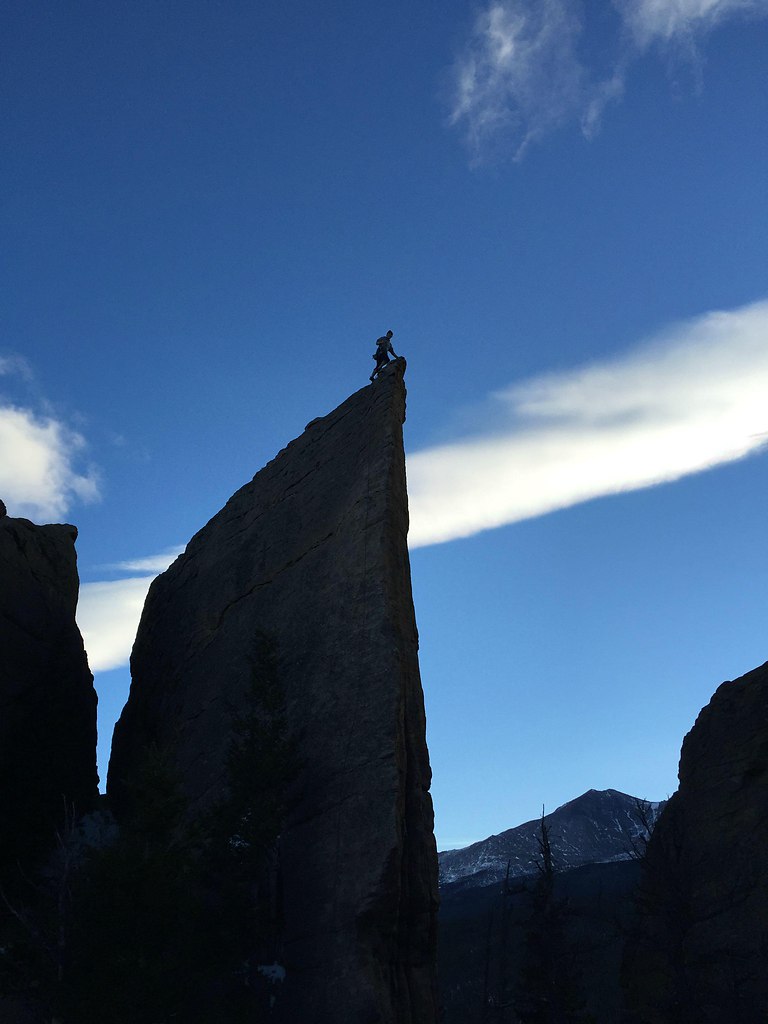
(47, 700)
(311, 554)
(702, 952)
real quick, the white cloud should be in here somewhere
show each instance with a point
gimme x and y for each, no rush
(664, 20)
(15, 364)
(521, 75)
(108, 615)
(691, 398)
(37, 474)
(108, 611)
(597, 98)
(152, 563)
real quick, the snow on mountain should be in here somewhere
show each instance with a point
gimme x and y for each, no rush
(597, 827)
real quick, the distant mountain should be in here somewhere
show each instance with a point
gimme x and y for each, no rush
(596, 828)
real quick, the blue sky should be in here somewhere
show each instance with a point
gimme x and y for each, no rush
(208, 213)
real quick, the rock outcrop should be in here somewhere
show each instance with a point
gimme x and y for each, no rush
(47, 700)
(702, 954)
(311, 558)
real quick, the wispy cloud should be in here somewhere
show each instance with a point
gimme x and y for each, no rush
(688, 399)
(521, 74)
(652, 21)
(15, 364)
(151, 563)
(108, 611)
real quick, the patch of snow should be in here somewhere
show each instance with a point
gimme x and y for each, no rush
(272, 972)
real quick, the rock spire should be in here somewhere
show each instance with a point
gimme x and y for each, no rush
(47, 700)
(311, 558)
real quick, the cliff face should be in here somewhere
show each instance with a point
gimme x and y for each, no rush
(47, 700)
(312, 556)
(704, 945)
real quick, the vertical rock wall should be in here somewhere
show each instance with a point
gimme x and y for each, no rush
(47, 700)
(702, 954)
(312, 554)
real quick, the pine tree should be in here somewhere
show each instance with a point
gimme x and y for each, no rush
(549, 991)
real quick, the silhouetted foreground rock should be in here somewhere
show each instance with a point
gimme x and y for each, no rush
(47, 700)
(311, 558)
(702, 955)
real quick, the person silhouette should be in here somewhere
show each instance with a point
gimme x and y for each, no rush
(381, 355)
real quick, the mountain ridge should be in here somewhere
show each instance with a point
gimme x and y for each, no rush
(599, 826)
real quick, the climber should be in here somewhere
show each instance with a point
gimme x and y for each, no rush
(381, 355)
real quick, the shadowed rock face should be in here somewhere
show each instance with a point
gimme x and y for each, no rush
(703, 950)
(312, 554)
(47, 700)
